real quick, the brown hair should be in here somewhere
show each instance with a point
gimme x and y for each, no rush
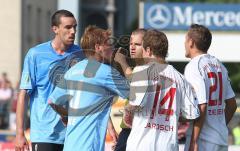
(93, 35)
(201, 36)
(141, 31)
(157, 42)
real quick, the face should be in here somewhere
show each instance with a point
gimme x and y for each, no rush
(187, 46)
(106, 51)
(66, 30)
(136, 50)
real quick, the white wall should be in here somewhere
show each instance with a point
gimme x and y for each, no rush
(225, 46)
(10, 40)
(72, 6)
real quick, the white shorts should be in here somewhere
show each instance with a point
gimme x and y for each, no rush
(204, 145)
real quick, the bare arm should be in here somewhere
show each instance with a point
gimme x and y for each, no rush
(183, 120)
(197, 126)
(63, 112)
(121, 59)
(230, 109)
(59, 109)
(21, 142)
(112, 130)
(128, 114)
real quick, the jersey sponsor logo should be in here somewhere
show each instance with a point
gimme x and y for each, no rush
(27, 78)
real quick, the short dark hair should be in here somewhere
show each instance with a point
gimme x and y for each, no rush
(55, 20)
(157, 42)
(201, 36)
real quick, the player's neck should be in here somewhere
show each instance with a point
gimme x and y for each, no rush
(156, 59)
(96, 57)
(196, 53)
(59, 47)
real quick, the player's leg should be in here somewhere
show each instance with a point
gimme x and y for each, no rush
(46, 147)
(122, 139)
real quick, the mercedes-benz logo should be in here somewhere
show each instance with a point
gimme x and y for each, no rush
(158, 16)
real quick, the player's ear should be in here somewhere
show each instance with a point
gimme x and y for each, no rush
(55, 29)
(191, 43)
(97, 48)
(148, 51)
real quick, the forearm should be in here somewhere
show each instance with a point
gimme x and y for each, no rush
(60, 110)
(126, 69)
(198, 123)
(130, 108)
(230, 109)
(228, 116)
(120, 58)
(110, 124)
(20, 112)
(112, 130)
(183, 120)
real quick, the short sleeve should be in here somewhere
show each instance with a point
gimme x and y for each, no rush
(118, 84)
(28, 80)
(189, 104)
(139, 86)
(193, 76)
(60, 95)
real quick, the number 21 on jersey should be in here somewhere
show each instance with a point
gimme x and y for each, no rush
(216, 87)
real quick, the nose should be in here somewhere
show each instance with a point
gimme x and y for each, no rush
(73, 30)
(133, 46)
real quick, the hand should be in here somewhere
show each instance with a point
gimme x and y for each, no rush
(119, 56)
(64, 120)
(114, 135)
(21, 143)
(114, 143)
(127, 118)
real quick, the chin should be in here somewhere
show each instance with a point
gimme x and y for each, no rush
(70, 42)
(106, 61)
(187, 56)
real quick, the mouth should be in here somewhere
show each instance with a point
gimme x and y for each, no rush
(132, 53)
(72, 38)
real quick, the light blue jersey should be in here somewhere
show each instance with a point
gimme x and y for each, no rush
(89, 87)
(42, 70)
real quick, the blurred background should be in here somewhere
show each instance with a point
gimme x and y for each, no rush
(25, 23)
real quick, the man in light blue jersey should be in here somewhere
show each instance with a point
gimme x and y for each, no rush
(89, 87)
(43, 66)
